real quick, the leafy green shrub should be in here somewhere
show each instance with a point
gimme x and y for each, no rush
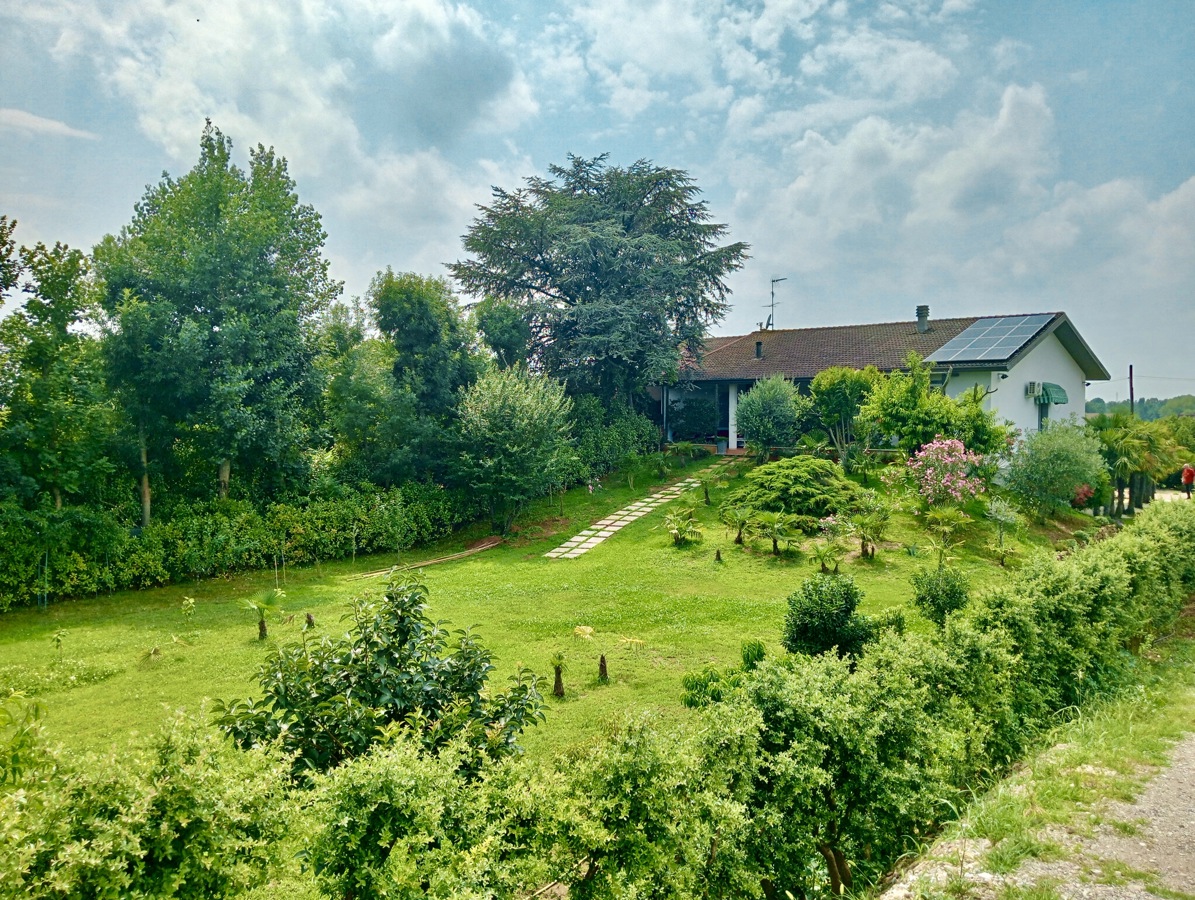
(821, 616)
(604, 437)
(771, 414)
(330, 701)
(1049, 464)
(188, 817)
(939, 592)
(903, 408)
(800, 485)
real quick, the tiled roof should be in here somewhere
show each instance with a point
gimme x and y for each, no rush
(803, 352)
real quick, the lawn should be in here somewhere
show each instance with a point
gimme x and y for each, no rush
(122, 663)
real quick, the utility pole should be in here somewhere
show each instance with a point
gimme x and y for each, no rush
(772, 314)
(1132, 397)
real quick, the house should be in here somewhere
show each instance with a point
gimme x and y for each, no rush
(1032, 368)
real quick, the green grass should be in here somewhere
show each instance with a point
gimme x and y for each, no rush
(656, 612)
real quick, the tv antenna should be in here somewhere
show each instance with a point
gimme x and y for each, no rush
(772, 305)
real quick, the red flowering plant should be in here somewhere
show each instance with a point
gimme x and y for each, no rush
(945, 472)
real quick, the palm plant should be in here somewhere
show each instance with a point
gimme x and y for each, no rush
(557, 664)
(1006, 518)
(869, 523)
(682, 527)
(737, 519)
(269, 602)
(707, 480)
(776, 526)
(828, 555)
(683, 451)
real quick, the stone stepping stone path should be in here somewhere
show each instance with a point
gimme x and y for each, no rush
(586, 540)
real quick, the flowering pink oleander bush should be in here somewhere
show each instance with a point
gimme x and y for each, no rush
(944, 471)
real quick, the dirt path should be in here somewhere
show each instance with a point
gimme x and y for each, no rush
(1142, 850)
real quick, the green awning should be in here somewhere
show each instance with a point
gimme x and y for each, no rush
(1051, 393)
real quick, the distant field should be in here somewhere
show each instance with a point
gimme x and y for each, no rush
(128, 659)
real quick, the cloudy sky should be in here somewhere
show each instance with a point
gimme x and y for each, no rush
(981, 157)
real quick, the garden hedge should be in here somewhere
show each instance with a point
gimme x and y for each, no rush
(79, 551)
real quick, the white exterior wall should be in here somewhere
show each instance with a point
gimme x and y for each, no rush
(962, 382)
(1048, 361)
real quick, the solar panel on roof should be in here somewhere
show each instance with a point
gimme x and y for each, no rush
(990, 339)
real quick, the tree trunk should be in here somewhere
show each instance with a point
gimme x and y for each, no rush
(832, 868)
(145, 493)
(844, 869)
(224, 477)
(558, 686)
(775, 547)
(603, 672)
(261, 629)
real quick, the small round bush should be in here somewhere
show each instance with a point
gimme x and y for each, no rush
(939, 592)
(821, 616)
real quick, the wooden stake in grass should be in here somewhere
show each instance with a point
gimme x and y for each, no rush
(603, 672)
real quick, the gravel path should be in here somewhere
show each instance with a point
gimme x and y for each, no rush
(1152, 854)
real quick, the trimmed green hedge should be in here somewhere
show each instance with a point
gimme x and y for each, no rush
(91, 551)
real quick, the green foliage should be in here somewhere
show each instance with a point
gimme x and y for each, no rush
(514, 440)
(1049, 464)
(682, 527)
(800, 485)
(696, 421)
(837, 395)
(400, 822)
(902, 408)
(771, 414)
(91, 551)
(58, 421)
(737, 519)
(209, 290)
(505, 329)
(777, 527)
(328, 701)
(617, 269)
(189, 817)
(939, 592)
(605, 437)
(433, 358)
(20, 737)
(821, 617)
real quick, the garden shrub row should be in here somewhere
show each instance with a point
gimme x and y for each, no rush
(810, 774)
(813, 775)
(91, 551)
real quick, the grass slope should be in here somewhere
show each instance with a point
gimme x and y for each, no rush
(129, 659)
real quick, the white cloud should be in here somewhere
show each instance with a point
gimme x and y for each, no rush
(28, 124)
(998, 163)
(882, 66)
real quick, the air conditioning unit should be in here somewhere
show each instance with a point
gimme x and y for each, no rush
(1033, 389)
